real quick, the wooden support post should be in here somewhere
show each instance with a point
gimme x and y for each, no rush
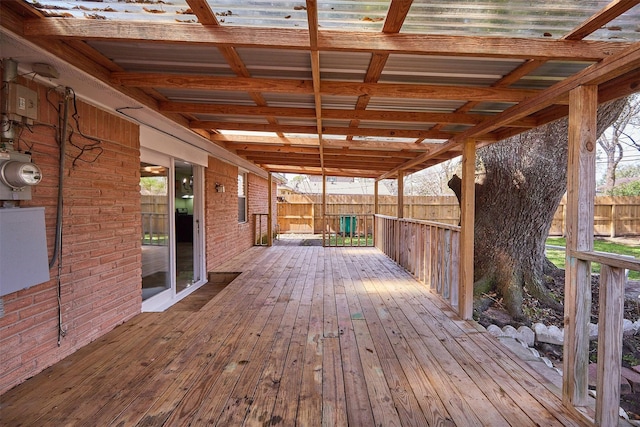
(400, 213)
(324, 209)
(580, 206)
(467, 228)
(612, 281)
(376, 210)
(270, 211)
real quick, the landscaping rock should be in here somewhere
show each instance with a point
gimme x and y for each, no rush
(625, 386)
(551, 334)
(633, 377)
(526, 335)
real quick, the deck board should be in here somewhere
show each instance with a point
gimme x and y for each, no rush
(304, 336)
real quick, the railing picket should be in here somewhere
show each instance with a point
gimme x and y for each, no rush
(428, 250)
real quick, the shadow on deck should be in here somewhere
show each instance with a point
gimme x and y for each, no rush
(304, 336)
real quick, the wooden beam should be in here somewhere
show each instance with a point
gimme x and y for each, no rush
(328, 143)
(203, 11)
(328, 40)
(311, 130)
(467, 227)
(343, 88)
(371, 115)
(580, 207)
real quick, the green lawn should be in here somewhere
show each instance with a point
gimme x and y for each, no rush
(346, 241)
(557, 257)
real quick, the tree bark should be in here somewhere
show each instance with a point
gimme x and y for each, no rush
(524, 178)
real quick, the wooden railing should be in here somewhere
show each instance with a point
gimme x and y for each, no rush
(428, 250)
(155, 230)
(348, 230)
(260, 229)
(610, 332)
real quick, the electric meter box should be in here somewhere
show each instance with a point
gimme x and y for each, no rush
(21, 102)
(23, 249)
(17, 175)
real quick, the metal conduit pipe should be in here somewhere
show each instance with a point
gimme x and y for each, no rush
(9, 74)
(57, 246)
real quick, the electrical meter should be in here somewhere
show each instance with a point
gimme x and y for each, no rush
(17, 175)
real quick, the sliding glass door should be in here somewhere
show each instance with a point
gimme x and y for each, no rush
(172, 194)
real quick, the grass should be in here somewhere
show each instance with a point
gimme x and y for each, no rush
(346, 241)
(557, 257)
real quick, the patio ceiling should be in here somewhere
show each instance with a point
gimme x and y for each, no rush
(345, 88)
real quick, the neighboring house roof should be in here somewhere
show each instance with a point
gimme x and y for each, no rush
(338, 187)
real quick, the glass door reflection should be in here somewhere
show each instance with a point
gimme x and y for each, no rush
(156, 257)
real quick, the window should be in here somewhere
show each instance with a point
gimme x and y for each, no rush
(242, 197)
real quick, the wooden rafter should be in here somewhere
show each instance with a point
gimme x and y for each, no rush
(396, 15)
(312, 18)
(600, 19)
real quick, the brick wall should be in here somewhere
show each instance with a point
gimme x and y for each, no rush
(225, 237)
(101, 258)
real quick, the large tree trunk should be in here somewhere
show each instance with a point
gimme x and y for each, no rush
(522, 181)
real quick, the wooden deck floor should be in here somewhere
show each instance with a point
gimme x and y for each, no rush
(304, 336)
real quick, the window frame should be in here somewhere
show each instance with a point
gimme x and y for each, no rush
(243, 197)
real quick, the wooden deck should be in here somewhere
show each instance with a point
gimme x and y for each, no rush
(304, 336)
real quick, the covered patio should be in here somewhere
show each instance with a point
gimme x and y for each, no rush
(304, 336)
(377, 89)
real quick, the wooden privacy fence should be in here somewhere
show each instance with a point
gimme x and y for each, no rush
(428, 250)
(613, 216)
(303, 213)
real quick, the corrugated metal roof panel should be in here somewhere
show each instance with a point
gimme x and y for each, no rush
(232, 119)
(270, 63)
(208, 96)
(164, 57)
(344, 66)
(446, 70)
(421, 105)
(339, 102)
(297, 100)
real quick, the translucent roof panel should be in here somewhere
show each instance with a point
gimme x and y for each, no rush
(514, 18)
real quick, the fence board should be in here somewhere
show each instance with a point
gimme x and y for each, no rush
(613, 216)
